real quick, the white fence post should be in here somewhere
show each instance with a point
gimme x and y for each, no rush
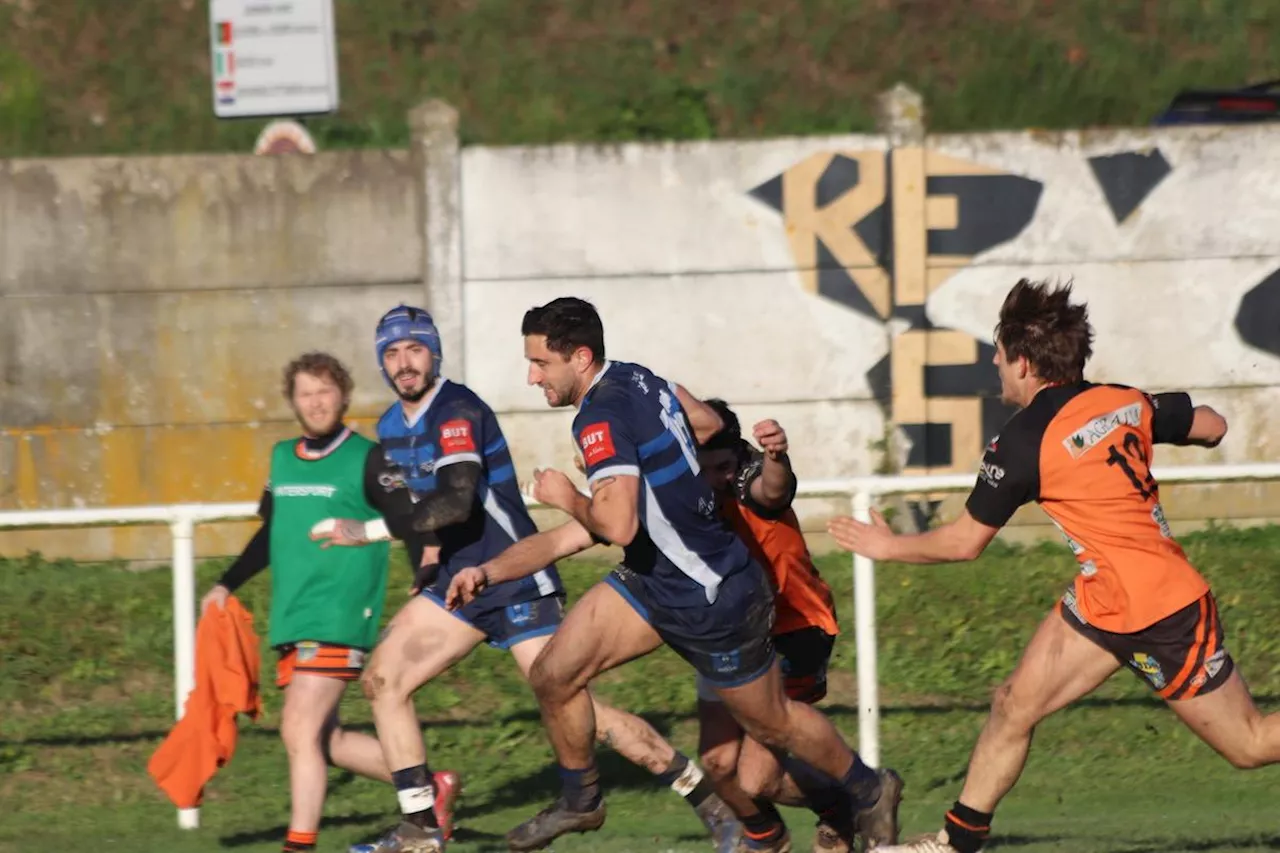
(864, 632)
(184, 627)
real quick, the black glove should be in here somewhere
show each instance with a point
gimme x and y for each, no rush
(423, 577)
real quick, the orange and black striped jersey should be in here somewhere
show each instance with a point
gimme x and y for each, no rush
(803, 599)
(1083, 452)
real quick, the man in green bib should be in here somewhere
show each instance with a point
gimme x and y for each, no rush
(326, 603)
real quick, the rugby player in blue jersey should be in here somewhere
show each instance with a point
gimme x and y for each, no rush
(686, 580)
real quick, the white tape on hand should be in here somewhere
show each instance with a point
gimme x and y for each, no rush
(376, 530)
(327, 525)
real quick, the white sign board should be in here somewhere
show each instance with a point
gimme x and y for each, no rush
(273, 57)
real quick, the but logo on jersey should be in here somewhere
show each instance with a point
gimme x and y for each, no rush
(455, 437)
(597, 443)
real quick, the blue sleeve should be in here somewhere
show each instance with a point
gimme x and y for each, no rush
(608, 446)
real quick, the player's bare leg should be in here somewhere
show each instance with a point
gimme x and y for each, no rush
(1228, 721)
(641, 744)
(600, 632)
(421, 642)
(355, 751)
(720, 745)
(776, 721)
(1059, 666)
(310, 710)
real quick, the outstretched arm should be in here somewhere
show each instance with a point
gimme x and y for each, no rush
(528, 555)
(963, 539)
(1175, 420)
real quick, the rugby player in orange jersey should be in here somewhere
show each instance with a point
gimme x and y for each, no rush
(755, 490)
(1083, 452)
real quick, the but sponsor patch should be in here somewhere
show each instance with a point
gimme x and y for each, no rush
(456, 437)
(597, 444)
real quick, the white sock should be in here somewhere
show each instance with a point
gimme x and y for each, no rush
(414, 800)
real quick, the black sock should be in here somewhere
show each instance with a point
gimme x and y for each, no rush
(581, 788)
(687, 779)
(765, 825)
(417, 792)
(862, 782)
(825, 797)
(967, 830)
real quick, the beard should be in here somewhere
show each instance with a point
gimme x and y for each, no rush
(412, 396)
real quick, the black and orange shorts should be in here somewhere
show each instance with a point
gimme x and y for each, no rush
(1179, 657)
(325, 659)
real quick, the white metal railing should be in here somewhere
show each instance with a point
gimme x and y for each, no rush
(182, 519)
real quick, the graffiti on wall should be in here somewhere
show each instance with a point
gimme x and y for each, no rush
(877, 232)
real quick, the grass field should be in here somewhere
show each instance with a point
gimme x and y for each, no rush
(86, 695)
(95, 77)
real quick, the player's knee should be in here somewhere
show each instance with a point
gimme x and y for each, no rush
(1010, 708)
(1245, 758)
(381, 685)
(549, 682)
(756, 782)
(720, 762)
(370, 682)
(298, 730)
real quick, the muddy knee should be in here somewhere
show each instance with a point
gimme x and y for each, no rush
(372, 683)
(1009, 708)
(720, 762)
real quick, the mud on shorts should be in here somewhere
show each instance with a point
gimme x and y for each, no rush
(728, 642)
(803, 656)
(1180, 656)
(506, 625)
(325, 659)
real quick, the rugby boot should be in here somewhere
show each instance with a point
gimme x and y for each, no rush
(448, 786)
(405, 837)
(877, 824)
(830, 839)
(925, 844)
(552, 822)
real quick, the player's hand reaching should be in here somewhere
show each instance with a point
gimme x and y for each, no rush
(874, 540)
(554, 488)
(465, 586)
(427, 569)
(216, 596)
(339, 531)
(771, 437)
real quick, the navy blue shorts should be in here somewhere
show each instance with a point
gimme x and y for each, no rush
(507, 625)
(728, 643)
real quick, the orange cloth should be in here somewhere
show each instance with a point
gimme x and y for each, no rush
(227, 669)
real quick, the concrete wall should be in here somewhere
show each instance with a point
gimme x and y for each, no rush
(844, 285)
(850, 289)
(148, 305)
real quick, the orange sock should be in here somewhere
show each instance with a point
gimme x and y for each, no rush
(296, 840)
